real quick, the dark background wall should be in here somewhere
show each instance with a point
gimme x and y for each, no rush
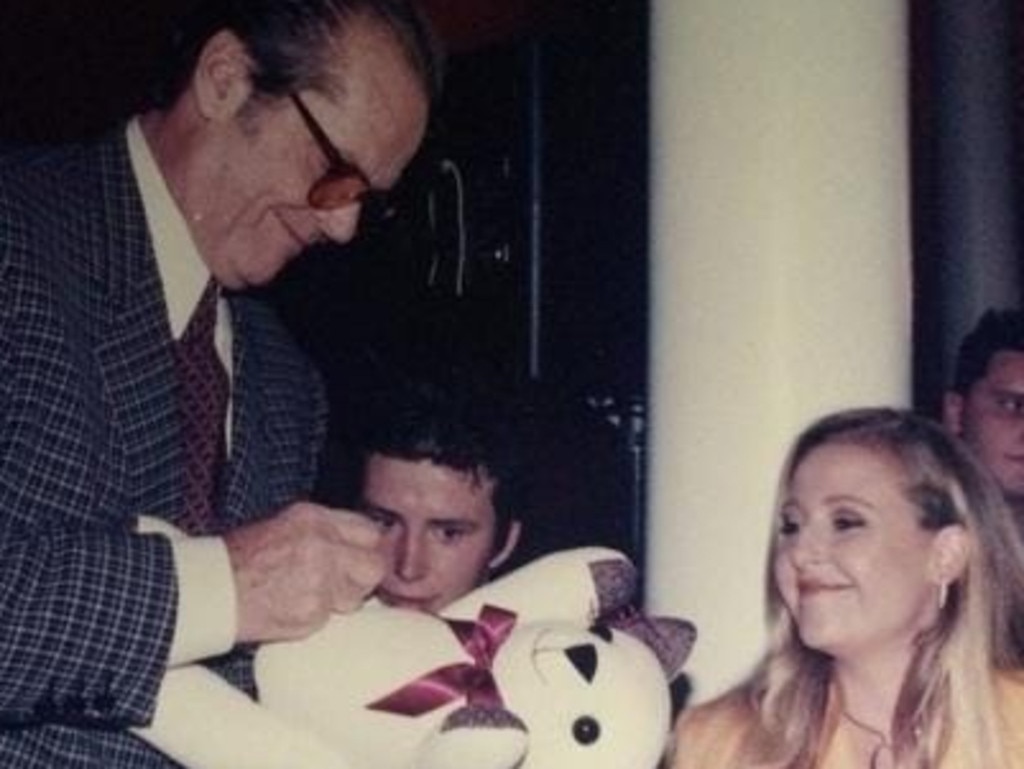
(967, 99)
(533, 265)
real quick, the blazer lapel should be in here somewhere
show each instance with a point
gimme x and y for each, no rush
(134, 350)
(278, 415)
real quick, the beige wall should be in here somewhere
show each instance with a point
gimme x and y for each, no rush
(781, 277)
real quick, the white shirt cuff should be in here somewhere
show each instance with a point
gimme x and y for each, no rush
(207, 622)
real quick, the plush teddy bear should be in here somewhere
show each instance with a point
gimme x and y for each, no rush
(544, 668)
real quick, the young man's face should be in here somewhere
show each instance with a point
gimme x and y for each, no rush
(440, 529)
(990, 418)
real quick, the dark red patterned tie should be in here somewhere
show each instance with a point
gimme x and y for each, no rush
(204, 399)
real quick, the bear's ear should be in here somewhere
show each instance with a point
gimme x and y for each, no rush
(670, 638)
(615, 583)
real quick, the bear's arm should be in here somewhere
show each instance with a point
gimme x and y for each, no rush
(202, 722)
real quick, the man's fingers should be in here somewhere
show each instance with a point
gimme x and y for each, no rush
(355, 528)
(294, 569)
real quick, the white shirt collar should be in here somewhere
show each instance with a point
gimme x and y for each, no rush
(182, 270)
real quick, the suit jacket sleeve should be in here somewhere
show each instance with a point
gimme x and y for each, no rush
(86, 605)
(90, 439)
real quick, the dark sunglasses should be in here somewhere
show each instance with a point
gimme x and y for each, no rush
(342, 184)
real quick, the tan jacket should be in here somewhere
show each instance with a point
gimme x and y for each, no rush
(709, 736)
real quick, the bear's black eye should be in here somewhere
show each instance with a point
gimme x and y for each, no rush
(586, 730)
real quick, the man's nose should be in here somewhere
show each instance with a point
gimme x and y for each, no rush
(410, 557)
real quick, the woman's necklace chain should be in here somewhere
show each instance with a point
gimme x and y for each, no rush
(882, 739)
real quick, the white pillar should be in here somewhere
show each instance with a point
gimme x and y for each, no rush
(780, 277)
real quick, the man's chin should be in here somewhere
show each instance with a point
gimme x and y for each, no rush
(423, 605)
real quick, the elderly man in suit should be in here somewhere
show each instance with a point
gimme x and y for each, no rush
(279, 122)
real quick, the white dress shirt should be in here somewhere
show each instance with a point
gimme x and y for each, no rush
(207, 604)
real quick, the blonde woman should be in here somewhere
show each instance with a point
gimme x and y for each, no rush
(895, 605)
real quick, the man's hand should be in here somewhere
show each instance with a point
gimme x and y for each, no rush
(293, 570)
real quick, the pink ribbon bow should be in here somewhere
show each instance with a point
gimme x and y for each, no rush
(472, 680)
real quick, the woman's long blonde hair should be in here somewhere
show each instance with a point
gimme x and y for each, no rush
(980, 627)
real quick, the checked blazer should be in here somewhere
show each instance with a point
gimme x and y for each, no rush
(90, 438)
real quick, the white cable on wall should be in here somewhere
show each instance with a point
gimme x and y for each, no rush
(449, 166)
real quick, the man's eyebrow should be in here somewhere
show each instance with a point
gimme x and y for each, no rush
(363, 506)
(455, 520)
(1008, 391)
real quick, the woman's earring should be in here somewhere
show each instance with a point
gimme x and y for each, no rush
(943, 594)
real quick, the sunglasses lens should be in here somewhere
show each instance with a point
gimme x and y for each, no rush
(337, 190)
